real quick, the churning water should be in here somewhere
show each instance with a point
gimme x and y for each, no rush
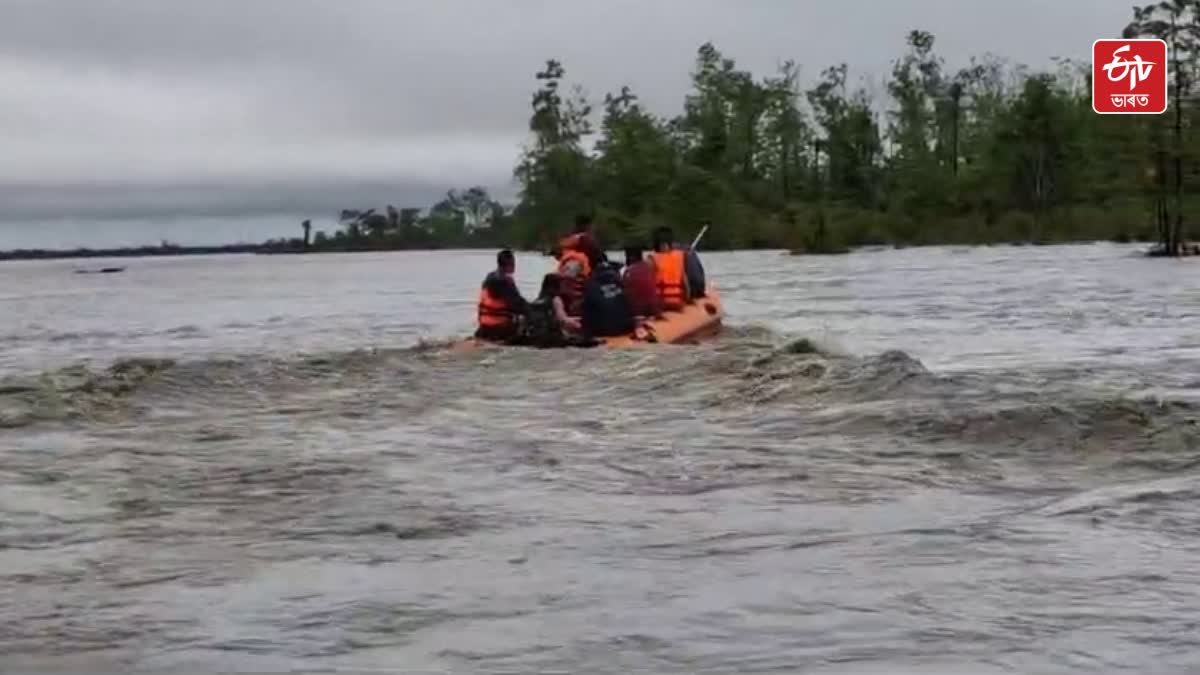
(928, 460)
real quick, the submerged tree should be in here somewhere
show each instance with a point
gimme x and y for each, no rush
(1178, 23)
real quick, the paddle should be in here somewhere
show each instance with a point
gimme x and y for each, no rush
(696, 241)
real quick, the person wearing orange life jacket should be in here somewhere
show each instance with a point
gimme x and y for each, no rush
(583, 239)
(500, 302)
(670, 270)
(578, 256)
(575, 271)
(641, 283)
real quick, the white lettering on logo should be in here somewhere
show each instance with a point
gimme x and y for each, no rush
(1136, 70)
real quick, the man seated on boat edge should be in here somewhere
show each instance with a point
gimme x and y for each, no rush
(669, 270)
(501, 306)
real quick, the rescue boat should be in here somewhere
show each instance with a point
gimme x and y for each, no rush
(700, 318)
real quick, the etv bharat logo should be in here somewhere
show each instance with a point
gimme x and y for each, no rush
(1129, 77)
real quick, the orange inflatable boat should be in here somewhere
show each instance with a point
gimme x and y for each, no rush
(698, 319)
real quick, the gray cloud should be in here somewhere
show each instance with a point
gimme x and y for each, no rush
(215, 106)
(299, 198)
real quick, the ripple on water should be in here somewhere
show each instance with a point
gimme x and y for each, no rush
(943, 473)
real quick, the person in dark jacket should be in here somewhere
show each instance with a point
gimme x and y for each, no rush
(638, 279)
(501, 305)
(606, 311)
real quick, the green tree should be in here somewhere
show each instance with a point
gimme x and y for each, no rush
(788, 135)
(553, 171)
(635, 163)
(916, 128)
(985, 151)
(1178, 23)
(849, 145)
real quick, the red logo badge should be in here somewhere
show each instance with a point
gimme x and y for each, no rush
(1129, 77)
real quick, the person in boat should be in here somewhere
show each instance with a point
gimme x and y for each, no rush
(578, 255)
(501, 305)
(547, 324)
(606, 310)
(670, 271)
(583, 239)
(574, 272)
(639, 281)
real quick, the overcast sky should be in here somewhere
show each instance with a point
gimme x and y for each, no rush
(117, 107)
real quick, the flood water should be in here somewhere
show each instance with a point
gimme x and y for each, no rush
(925, 460)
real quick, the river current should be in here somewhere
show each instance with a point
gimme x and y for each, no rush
(959, 460)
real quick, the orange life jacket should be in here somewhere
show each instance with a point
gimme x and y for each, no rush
(670, 279)
(575, 284)
(580, 243)
(493, 312)
(575, 255)
(571, 241)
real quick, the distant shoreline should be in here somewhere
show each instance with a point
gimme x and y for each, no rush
(170, 250)
(175, 250)
(124, 252)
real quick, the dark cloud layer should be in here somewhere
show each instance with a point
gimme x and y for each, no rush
(297, 197)
(233, 106)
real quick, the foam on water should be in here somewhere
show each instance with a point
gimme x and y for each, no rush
(255, 465)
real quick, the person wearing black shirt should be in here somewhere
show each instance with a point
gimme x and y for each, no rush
(500, 302)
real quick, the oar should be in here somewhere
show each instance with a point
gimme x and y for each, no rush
(696, 241)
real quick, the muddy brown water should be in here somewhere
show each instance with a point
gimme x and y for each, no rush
(928, 460)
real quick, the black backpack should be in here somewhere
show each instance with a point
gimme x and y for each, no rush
(541, 327)
(606, 310)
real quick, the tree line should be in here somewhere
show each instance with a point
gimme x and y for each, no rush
(462, 219)
(988, 152)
